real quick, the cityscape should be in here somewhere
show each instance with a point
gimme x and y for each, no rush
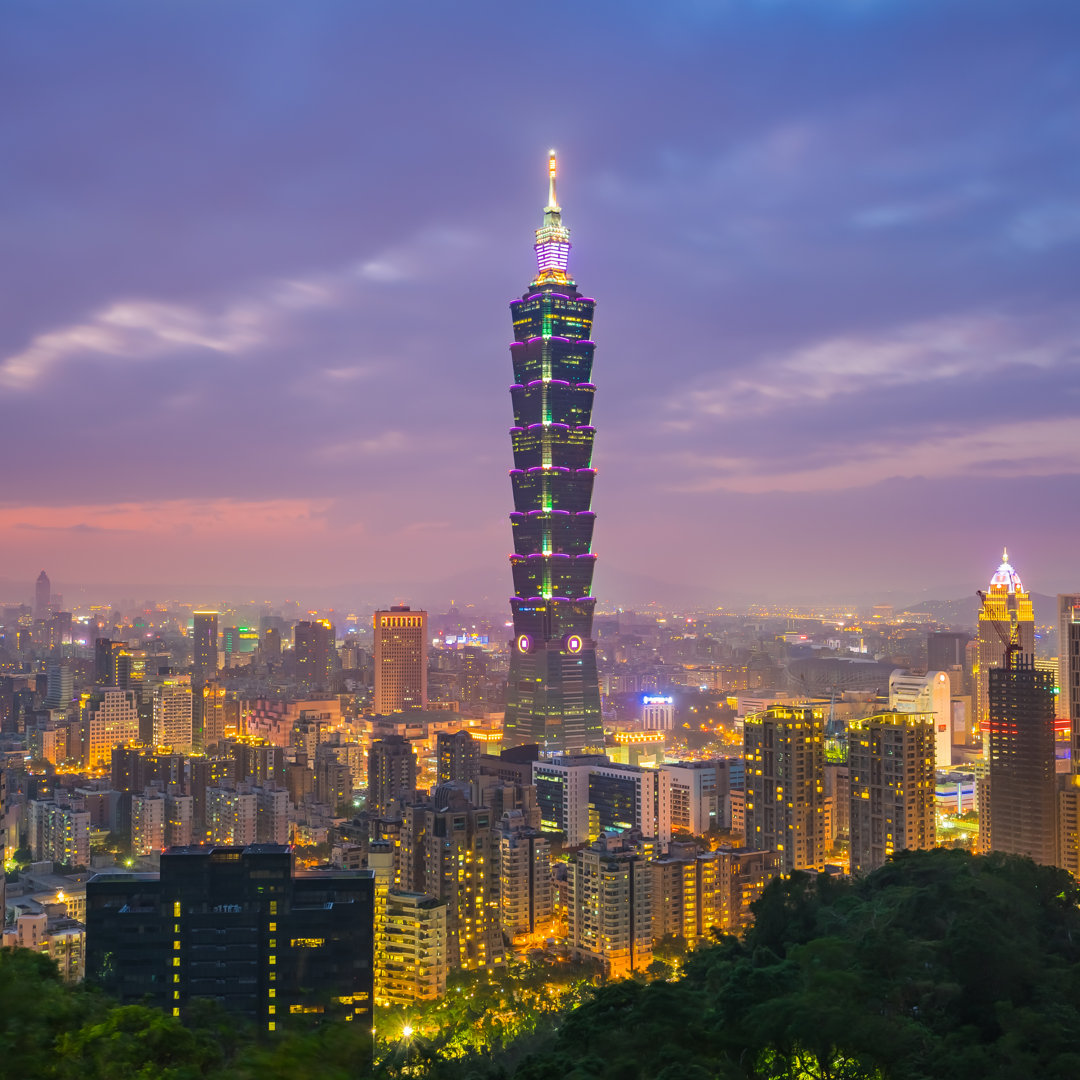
(343, 753)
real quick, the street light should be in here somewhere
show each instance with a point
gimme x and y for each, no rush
(407, 1030)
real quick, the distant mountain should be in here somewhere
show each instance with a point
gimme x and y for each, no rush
(963, 614)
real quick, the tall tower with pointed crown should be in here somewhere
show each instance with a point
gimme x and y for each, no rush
(553, 694)
(1006, 615)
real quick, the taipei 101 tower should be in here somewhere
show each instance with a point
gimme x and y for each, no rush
(553, 695)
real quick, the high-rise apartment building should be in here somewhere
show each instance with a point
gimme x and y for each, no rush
(148, 818)
(1006, 613)
(1023, 789)
(238, 927)
(400, 660)
(525, 885)
(173, 713)
(457, 756)
(553, 692)
(208, 718)
(410, 957)
(785, 785)
(450, 850)
(231, 817)
(391, 777)
(892, 777)
(108, 718)
(204, 646)
(58, 834)
(610, 898)
(313, 652)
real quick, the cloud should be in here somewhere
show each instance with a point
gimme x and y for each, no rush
(168, 516)
(386, 442)
(1042, 448)
(1049, 225)
(140, 329)
(846, 365)
(146, 329)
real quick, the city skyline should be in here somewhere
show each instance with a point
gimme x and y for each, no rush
(832, 243)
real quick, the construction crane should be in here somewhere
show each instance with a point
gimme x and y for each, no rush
(1009, 638)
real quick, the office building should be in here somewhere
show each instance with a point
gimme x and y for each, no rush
(457, 756)
(892, 784)
(785, 785)
(237, 927)
(610, 896)
(945, 650)
(204, 646)
(313, 652)
(450, 850)
(926, 694)
(42, 596)
(391, 777)
(109, 717)
(400, 660)
(1023, 789)
(657, 713)
(60, 690)
(553, 692)
(1006, 614)
(582, 797)
(1068, 703)
(173, 713)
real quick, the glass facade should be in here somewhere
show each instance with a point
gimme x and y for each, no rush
(553, 695)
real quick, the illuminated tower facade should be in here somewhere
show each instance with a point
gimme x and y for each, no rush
(1006, 612)
(553, 694)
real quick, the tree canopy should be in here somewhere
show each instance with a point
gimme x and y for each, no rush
(940, 964)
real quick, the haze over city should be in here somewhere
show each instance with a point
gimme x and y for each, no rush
(255, 326)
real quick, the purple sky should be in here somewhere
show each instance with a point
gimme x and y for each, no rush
(257, 259)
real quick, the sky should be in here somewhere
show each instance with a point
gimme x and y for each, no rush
(257, 257)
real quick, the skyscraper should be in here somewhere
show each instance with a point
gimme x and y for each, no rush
(1006, 610)
(204, 650)
(553, 694)
(391, 776)
(891, 763)
(1068, 704)
(1023, 799)
(42, 596)
(313, 650)
(400, 660)
(785, 785)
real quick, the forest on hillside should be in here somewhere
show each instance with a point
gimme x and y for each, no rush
(940, 964)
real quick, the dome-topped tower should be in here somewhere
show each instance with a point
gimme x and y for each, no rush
(1005, 577)
(1006, 616)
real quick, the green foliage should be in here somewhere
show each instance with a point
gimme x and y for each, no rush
(938, 965)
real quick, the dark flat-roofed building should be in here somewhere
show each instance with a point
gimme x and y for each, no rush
(237, 926)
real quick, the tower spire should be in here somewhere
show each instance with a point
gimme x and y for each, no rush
(552, 245)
